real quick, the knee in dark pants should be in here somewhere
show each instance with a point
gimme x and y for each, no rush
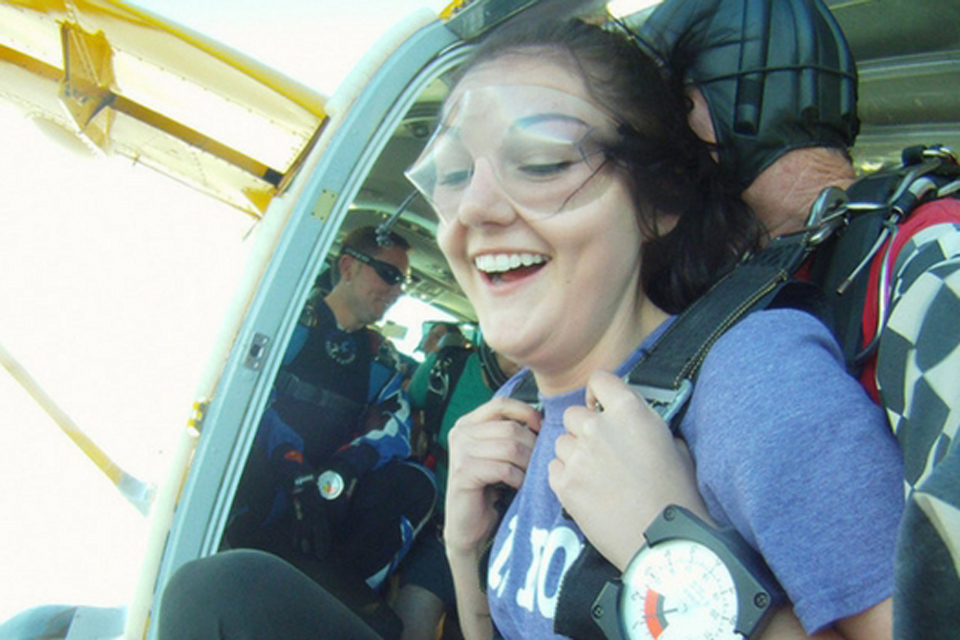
(399, 489)
(391, 505)
(420, 495)
(205, 593)
(249, 595)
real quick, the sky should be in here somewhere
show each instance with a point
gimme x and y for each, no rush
(113, 285)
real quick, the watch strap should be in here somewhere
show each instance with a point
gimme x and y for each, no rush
(576, 614)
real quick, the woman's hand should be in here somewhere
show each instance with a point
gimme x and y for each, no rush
(489, 446)
(616, 469)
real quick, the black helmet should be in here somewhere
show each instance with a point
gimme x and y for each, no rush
(776, 74)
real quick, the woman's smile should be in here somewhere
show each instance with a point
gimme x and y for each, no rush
(508, 267)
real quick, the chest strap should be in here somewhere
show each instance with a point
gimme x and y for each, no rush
(288, 384)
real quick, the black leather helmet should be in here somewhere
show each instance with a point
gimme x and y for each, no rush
(776, 74)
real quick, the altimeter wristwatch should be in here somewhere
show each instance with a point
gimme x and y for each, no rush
(691, 582)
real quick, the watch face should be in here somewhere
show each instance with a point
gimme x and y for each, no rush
(678, 589)
(330, 484)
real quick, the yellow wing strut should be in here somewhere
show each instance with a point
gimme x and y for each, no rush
(136, 491)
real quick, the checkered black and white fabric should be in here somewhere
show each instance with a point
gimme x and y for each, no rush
(918, 366)
(918, 373)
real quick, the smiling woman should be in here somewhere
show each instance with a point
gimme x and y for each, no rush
(568, 218)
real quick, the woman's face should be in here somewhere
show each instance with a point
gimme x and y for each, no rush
(553, 276)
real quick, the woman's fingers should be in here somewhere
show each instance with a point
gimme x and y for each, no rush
(608, 392)
(500, 431)
(491, 452)
(489, 446)
(617, 466)
(501, 409)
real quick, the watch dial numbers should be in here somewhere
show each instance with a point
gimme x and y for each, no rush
(679, 590)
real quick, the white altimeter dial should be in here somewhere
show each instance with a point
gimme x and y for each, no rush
(678, 590)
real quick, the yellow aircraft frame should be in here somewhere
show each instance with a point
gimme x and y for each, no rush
(128, 82)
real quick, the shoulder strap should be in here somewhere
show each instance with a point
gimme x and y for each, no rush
(665, 376)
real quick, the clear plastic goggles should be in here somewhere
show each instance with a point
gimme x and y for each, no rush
(544, 149)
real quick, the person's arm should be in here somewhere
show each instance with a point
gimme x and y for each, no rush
(389, 422)
(919, 336)
(472, 607)
(615, 470)
(597, 448)
(917, 365)
(489, 446)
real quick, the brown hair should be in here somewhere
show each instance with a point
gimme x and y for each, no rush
(366, 240)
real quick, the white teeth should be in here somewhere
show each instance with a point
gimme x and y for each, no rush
(501, 262)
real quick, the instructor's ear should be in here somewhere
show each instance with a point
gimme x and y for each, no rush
(699, 118)
(346, 267)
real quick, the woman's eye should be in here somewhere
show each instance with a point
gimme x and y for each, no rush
(545, 169)
(454, 178)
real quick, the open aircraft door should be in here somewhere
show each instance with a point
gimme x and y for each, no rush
(380, 120)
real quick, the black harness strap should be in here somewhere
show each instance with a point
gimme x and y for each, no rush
(665, 376)
(291, 385)
(837, 265)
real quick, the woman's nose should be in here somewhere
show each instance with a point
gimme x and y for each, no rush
(484, 201)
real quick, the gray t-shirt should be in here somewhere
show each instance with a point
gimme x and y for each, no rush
(789, 450)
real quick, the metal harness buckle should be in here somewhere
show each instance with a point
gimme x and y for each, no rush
(666, 402)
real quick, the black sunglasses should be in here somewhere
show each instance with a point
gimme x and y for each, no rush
(387, 272)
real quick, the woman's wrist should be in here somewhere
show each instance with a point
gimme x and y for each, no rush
(469, 583)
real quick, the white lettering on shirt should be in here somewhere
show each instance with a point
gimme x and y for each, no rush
(544, 546)
(527, 596)
(497, 576)
(565, 540)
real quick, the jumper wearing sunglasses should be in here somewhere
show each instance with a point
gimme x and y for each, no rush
(389, 273)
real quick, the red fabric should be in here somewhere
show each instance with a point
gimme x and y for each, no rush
(943, 211)
(294, 456)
